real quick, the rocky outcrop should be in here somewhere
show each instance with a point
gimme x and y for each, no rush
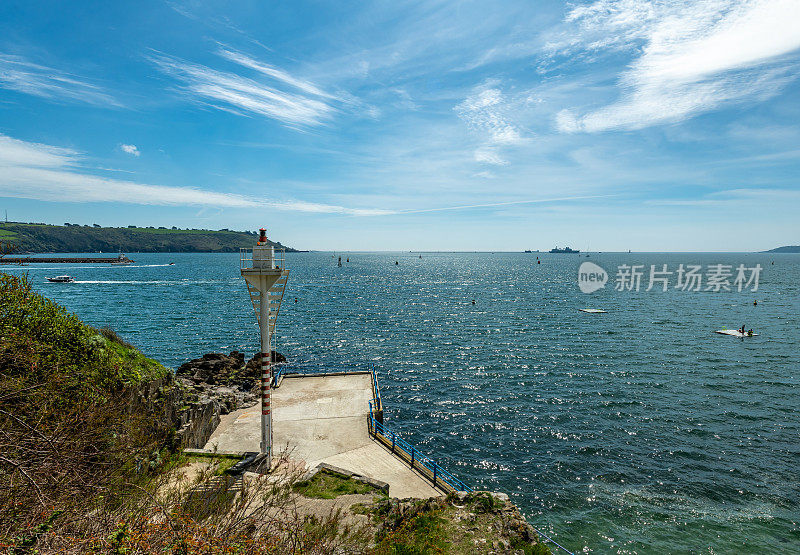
(191, 401)
(226, 379)
(222, 369)
(475, 522)
(191, 415)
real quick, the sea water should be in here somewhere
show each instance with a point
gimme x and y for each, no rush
(635, 431)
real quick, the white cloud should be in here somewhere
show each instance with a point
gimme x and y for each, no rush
(273, 72)
(486, 111)
(692, 57)
(133, 150)
(18, 74)
(43, 172)
(305, 105)
(489, 155)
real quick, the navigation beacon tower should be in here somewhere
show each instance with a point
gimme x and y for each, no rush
(264, 271)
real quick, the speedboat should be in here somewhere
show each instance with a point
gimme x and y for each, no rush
(61, 279)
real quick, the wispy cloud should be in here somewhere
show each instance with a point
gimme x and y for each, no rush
(273, 93)
(133, 150)
(489, 155)
(744, 197)
(501, 204)
(43, 172)
(692, 57)
(19, 74)
(273, 72)
(486, 112)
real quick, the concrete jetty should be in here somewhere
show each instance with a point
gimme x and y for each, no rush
(323, 419)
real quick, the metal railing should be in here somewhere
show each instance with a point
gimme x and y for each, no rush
(439, 477)
(276, 375)
(246, 258)
(376, 391)
(425, 466)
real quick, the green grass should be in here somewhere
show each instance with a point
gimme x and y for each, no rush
(474, 525)
(74, 424)
(422, 534)
(222, 463)
(56, 341)
(325, 485)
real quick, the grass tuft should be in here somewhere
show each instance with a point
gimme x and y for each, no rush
(327, 485)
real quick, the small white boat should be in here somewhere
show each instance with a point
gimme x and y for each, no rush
(593, 310)
(736, 333)
(61, 279)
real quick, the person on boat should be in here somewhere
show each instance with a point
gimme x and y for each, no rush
(741, 330)
(750, 333)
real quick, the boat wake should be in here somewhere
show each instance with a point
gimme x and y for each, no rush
(146, 282)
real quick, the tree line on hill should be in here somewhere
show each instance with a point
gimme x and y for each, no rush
(20, 238)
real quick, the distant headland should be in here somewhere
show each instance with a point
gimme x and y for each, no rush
(789, 249)
(20, 238)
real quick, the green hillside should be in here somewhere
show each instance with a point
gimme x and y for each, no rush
(24, 238)
(786, 249)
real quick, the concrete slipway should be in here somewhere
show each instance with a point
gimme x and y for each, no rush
(322, 418)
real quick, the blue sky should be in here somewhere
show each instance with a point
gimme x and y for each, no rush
(668, 125)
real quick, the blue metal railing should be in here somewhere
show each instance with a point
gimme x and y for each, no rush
(376, 392)
(276, 375)
(439, 476)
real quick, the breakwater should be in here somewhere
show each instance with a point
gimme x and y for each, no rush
(66, 260)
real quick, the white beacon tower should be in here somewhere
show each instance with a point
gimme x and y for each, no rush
(264, 271)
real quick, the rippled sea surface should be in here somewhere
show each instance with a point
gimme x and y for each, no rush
(635, 431)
